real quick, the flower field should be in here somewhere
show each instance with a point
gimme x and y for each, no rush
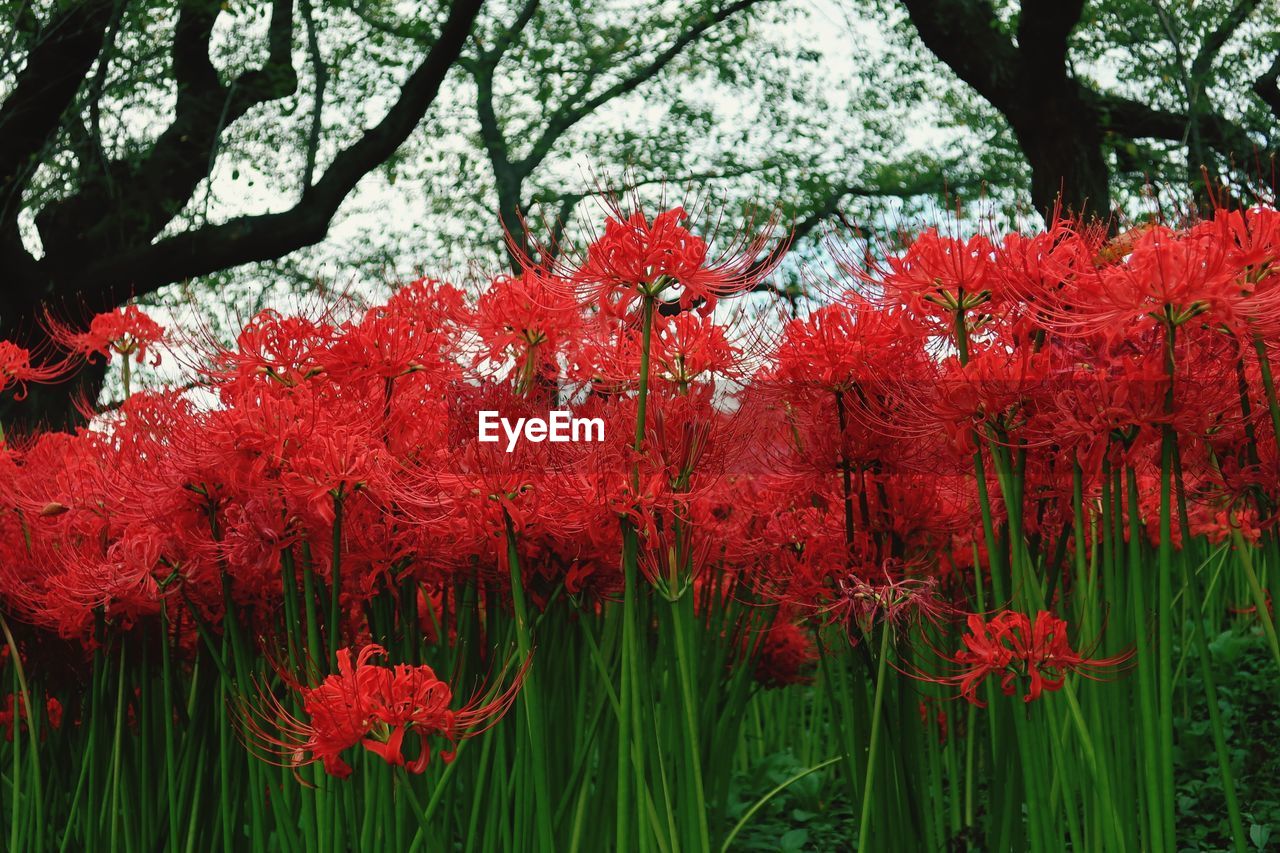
(968, 543)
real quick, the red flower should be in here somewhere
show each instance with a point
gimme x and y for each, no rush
(127, 332)
(641, 258)
(937, 276)
(1014, 647)
(786, 656)
(898, 602)
(377, 707)
(16, 368)
(527, 319)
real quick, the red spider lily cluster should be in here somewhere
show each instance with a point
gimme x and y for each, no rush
(821, 465)
(981, 432)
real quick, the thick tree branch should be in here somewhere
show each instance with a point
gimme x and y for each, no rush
(320, 77)
(57, 63)
(1214, 42)
(1136, 120)
(141, 196)
(248, 239)
(965, 34)
(628, 186)
(1265, 87)
(1043, 29)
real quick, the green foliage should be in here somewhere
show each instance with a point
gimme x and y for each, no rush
(811, 814)
(1247, 700)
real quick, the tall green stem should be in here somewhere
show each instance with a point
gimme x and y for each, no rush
(630, 757)
(530, 699)
(877, 715)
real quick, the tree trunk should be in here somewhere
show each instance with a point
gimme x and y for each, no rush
(1062, 142)
(510, 185)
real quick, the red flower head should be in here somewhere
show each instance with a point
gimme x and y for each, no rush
(376, 707)
(126, 332)
(938, 277)
(786, 656)
(897, 601)
(1015, 647)
(527, 318)
(16, 368)
(639, 258)
(688, 347)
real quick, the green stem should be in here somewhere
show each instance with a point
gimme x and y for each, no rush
(166, 711)
(877, 715)
(630, 762)
(529, 696)
(335, 583)
(1221, 747)
(38, 787)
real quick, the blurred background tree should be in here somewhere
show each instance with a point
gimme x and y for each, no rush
(232, 151)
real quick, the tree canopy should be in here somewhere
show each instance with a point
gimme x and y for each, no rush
(237, 143)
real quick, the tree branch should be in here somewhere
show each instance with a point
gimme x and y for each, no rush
(140, 197)
(1135, 120)
(1265, 87)
(571, 113)
(57, 63)
(690, 178)
(830, 206)
(249, 239)
(320, 74)
(1044, 27)
(1214, 42)
(493, 55)
(965, 34)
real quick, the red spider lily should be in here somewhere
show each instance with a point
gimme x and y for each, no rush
(939, 277)
(1153, 276)
(1019, 649)
(637, 258)
(786, 655)
(989, 396)
(126, 332)
(528, 319)
(376, 707)
(53, 713)
(17, 370)
(417, 331)
(840, 346)
(689, 347)
(896, 602)
(287, 350)
(845, 446)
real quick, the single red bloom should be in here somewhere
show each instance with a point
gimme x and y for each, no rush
(377, 707)
(786, 656)
(527, 319)
(1014, 647)
(637, 257)
(937, 276)
(126, 331)
(16, 368)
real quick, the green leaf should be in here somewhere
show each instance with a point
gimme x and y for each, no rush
(794, 839)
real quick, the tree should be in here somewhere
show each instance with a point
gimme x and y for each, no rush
(1025, 60)
(566, 101)
(110, 204)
